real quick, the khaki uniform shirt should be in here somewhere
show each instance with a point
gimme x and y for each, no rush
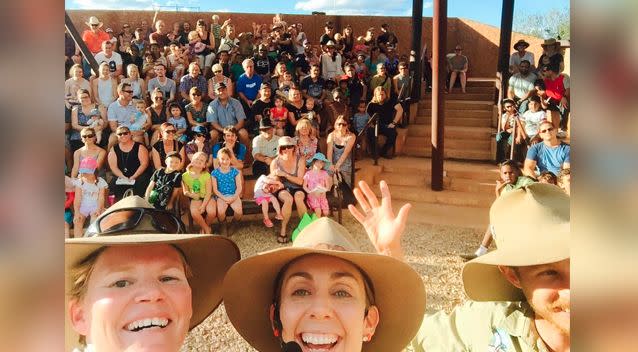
(480, 326)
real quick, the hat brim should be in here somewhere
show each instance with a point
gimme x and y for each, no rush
(482, 281)
(399, 296)
(525, 44)
(209, 258)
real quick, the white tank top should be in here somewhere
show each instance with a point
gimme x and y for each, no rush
(105, 91)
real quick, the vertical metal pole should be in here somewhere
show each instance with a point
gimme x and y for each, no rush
(507, 17)
(439, 41)
(417, 22)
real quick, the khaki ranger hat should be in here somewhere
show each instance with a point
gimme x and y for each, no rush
(531, 227)
(398, 290)
(209, 257)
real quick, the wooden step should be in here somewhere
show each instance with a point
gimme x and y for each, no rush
(462, 154)
(472, 90)
(472, 114)
(473, 144)
(449, 215)
(465, 96)
(455, 132)
(480, 82)
(469, 185)
(449, 197)
(460, 105)
(415, 179)
(455, 121)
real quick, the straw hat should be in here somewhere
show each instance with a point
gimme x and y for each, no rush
(531, 226)
(550, 42)
(399, 291)
(209, 257)
(93, 20)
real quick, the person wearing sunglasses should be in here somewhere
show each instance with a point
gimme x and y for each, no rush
(218, 77)
(128, 161)
(549, 155)
(457, 66)
(120, 111)
(196, 108)
(340, 143)
(90, 150)
(135, 281)
(290, 168)
(199, 143)
(167, 143)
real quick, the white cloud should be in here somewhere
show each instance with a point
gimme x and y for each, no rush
(359, 7)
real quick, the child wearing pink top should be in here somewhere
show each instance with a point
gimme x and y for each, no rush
(265, 187)
(316, 182)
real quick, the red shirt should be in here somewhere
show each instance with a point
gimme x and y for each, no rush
(555, 89)
(94, 41)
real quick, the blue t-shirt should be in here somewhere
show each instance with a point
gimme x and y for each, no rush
(226, 181)
(548, 158)
(249, 86)
(179, 122)
(360, 119)
(239, 150)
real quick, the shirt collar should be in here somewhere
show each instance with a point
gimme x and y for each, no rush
(520, 323)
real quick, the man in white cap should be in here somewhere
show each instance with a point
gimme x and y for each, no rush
(520, 292)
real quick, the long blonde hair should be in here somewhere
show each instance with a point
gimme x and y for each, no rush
(374, 95)
(304, 122)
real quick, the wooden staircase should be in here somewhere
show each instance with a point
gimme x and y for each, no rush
(468, 124)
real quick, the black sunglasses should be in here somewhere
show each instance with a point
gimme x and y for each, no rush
(128, 219)
(128, 91)
(200, 135)
(123, 133)
(547, 130)
(88, 136)
(342, 124)
(170, 131)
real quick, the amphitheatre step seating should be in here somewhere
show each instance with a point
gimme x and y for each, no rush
(468, 185)
(468, 124)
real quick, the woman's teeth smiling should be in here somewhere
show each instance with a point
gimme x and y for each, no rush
(142, 324)
(319, 342)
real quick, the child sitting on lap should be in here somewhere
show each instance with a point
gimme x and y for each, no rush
(265, 187)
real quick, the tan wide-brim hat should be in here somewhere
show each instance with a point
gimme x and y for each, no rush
(549, 42)
(93, 20)
(531, 227)
(285, 141)
(209, 258)
(399, 292)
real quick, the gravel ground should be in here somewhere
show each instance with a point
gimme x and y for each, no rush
(432, 250)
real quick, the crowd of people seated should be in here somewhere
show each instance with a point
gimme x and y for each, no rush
(210, 101)
(531, 144)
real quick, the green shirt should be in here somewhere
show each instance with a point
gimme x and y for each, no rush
(521, 181)
(480, 326)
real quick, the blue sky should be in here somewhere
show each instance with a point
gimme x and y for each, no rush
(485, 11)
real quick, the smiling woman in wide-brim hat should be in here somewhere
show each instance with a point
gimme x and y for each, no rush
(130, 289)
(366, 301)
